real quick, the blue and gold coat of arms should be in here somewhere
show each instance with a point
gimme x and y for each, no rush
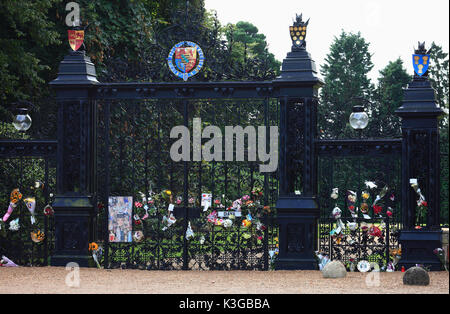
(186, 59)
(421, 64)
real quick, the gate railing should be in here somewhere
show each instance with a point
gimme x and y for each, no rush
(346, 165)
(134, 158)
(22, 163)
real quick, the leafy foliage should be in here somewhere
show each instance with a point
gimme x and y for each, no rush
(26, 32)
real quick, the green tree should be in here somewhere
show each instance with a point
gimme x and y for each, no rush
(250, 54)
(388, 98)
(438, 74)
(346, 82)
(25, 31)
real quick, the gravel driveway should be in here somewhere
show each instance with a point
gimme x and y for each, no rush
(53, 280)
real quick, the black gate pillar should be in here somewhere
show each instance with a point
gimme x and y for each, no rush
(420, 160)
(298, 213)
(76, 175)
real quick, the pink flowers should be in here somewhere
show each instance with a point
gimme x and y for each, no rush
(389, 213)
(138, 204)
(246, 198)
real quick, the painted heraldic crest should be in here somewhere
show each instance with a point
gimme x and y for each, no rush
(186, 59)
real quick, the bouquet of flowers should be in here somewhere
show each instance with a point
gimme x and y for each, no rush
(422, 205)
(441, 254)
(96, 252)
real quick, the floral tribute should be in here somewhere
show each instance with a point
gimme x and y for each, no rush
(11, 220)
(355, 226)
(422, 204)
(244, 213)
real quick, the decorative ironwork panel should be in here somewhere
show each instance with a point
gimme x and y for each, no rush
(22, 164)
(134, 149)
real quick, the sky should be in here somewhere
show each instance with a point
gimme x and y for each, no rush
(392, 27)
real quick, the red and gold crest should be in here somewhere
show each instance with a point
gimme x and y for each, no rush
(186, 58)
(76, 39)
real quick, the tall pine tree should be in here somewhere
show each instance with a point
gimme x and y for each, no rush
(346, 83)
(388, 98)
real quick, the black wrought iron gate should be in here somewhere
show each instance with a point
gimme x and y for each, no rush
(348, 165)
(134, 152)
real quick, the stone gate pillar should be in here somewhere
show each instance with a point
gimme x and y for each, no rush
(297, 214)
(76, 175)
(420, 160)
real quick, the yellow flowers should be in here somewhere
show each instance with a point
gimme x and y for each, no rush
(246, 223)
(168, 192)
(93, 246)
(365, 195)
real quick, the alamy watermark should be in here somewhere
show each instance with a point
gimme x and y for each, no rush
(73, 17)
(73, 277)
(213, 150)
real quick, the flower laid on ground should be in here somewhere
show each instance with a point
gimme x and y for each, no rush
(6, 262)
(96, 252)
(441, 254)
(322, 259)
(396, 255)
(352, 264)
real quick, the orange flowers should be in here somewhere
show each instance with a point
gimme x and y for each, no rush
(93, 246)
(16, 196)
(37, 236)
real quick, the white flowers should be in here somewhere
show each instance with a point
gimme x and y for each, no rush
(227, 223)
(335, 194)
(189, 232)
(14, 225)
(370, 185)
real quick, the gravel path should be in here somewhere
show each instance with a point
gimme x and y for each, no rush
(53, 280)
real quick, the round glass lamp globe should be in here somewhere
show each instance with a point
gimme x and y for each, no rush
(359, 120)
(22, 121)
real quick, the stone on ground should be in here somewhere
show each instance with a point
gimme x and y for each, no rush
(416, 276)
(334, 269)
